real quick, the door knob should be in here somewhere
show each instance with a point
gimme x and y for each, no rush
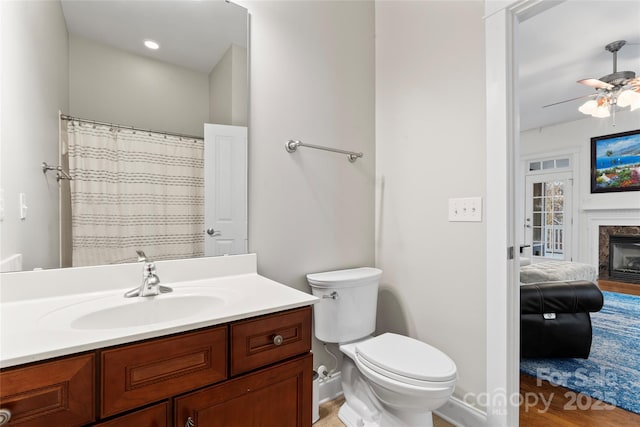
(211, 232)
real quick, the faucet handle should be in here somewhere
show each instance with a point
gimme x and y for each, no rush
(149, 269)
(141, 256)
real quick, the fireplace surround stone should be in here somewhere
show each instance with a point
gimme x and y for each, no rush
(603, 244)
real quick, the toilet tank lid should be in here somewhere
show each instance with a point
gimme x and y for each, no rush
(407, 357)
(342, 278)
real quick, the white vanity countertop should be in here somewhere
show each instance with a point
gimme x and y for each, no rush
(33, 329)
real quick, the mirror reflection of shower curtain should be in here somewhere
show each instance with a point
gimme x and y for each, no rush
(132, 190)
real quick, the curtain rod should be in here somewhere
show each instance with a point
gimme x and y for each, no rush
(96, 122)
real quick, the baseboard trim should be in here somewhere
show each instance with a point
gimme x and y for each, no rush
(329, 388)
(461, 414)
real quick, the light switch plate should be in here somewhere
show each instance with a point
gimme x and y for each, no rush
(467, 209)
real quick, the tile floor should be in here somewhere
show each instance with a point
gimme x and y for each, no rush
(329, 416)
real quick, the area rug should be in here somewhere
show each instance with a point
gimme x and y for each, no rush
(612, 371)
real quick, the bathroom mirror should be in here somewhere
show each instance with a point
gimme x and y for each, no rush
(198, 75)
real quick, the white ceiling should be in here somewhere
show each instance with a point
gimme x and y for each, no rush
(191, 33)
(566, 44)
(557, 48)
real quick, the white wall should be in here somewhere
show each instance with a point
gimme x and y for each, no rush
(34, 87)
(576, 136)
(311, 78)
(111, 85)
(430, 146)
(228, 88)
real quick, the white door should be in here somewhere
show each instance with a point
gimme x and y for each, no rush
(225, 183)
(548, 218)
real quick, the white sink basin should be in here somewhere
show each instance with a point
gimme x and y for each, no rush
(116, 311)
(147, 311)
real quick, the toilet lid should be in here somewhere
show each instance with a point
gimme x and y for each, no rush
(344, 278)
(406, 357)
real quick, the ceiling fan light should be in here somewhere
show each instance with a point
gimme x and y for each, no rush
(628, 97)
(601, 112)
(589, 107)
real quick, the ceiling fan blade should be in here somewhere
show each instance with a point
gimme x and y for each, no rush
(598, 84)
(569, 100)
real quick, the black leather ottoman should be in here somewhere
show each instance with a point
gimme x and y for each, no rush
(555, 319)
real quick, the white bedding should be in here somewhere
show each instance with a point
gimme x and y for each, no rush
(554, 271)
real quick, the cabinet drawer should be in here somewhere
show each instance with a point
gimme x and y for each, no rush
(57, 393)
(153, 416)
(138, 374)
(268, 339)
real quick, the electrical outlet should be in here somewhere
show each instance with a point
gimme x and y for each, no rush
(467, 209)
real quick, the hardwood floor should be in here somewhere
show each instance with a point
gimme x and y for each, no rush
(623, 288)
(546, 405)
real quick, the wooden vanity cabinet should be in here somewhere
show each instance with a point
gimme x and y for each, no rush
(279, 395)
(137, 374)
(249, 372)
(268, 339)
(154, 416)
(54, 393)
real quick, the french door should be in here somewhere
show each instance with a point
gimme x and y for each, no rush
(548, 215)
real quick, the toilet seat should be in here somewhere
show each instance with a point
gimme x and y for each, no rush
(406, 360)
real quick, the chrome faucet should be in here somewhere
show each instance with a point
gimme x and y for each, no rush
(150, 281)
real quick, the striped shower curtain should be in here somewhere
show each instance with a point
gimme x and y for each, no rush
(133, 190)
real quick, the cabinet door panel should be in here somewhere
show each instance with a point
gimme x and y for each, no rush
(253, 342)
(137, 374)
(276, 396)
(154, 416)
(56, 393)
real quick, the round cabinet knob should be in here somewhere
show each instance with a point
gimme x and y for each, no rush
(5, 416)
(277, 340)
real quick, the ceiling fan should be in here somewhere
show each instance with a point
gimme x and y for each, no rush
(620, 88)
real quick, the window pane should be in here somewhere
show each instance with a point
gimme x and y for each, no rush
(558, 218)
(562, 163)
(537, 189)
(537, 204)
(548, 164)
(537, 219)
(534, 166)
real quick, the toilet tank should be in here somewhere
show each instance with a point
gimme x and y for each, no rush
(348, 302)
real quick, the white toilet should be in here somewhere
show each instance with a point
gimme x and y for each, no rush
(388, 380)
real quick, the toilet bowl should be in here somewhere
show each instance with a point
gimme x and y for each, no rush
(389, 380)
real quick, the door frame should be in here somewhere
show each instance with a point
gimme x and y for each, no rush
(502, 208)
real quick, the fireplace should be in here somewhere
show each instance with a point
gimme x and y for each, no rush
(624, 258)
(605, 232)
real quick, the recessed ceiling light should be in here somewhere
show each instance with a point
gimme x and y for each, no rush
(151, 44)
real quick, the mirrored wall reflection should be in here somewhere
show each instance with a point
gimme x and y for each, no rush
(98, 69)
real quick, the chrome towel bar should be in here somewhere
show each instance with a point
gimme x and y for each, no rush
(292, 145)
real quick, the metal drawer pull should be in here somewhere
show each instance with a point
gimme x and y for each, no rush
(5, 416)
(189, 423)
(277, 340)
